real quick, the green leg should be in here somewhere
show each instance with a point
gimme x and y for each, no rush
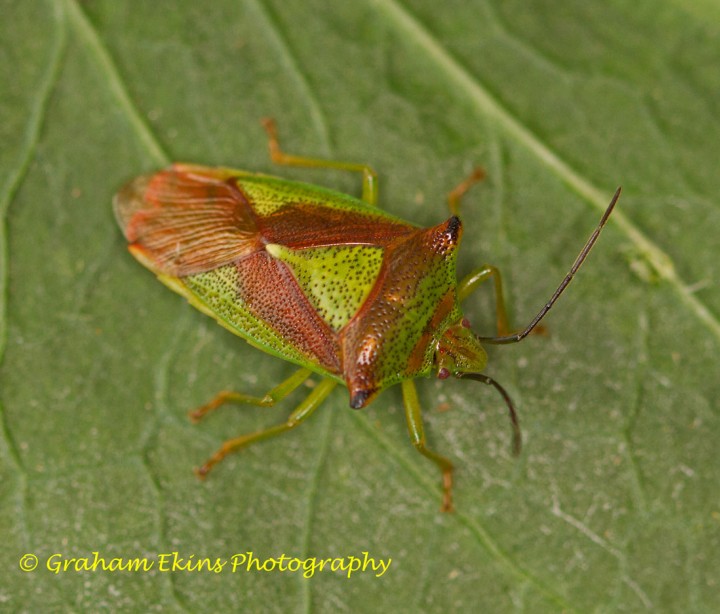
(413, 415)
(481, 274)
(369, 189)
(276, 394)
(471, 281)
(301, 413)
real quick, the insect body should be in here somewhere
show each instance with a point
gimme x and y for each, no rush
(321, 279)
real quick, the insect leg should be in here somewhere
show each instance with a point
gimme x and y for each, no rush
(270, 398)
(413, 415)
(278, 156)
(481, 274)
(301, 413)
(472, 280)
(456, 194)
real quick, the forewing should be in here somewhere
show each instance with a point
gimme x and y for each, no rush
(186, 220)
(306, 225)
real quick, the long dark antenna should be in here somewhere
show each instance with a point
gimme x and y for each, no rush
(486, 379)
(563, 284)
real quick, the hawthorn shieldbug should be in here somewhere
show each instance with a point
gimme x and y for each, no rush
(323, 280)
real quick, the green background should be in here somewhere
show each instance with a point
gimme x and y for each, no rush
(613, 504)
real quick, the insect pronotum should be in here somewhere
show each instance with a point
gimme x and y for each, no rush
(326, 281)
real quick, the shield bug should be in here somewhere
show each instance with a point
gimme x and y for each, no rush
(323, 280)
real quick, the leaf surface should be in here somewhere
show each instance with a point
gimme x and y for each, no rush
(612, 505)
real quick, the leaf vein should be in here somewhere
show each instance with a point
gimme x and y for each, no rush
(491, 106)
(117, 86)
(293, 65)
(36, 119)
(476, 528)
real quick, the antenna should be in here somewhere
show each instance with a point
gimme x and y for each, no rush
(514, 338)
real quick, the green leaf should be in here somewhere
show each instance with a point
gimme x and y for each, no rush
(612, 505)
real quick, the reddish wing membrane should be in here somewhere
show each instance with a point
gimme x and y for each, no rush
(191, 219)
(187, 220)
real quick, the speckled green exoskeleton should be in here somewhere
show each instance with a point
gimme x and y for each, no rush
(321, 279)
